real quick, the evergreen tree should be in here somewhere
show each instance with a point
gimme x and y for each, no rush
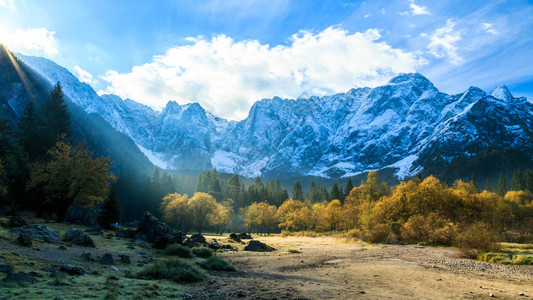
(110, 211)
(297, 192)
(473, 182)
(56, 117)
(349, 187)
(214, 188)
(335, 192)
(234, 187)
(30, 132)
(518, 182)
(502, 185)
(488, 186)
(529, 180)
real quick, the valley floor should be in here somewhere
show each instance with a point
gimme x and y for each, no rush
(328, 268)
(324, 268)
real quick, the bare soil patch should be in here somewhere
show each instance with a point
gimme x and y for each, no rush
(329, 268)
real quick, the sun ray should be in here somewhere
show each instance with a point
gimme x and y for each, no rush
(21, 74)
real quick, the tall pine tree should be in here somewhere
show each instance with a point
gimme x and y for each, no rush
(297, 191)
(56, 117)
(31, 132)
(502, 185)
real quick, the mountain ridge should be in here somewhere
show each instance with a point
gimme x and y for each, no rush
(403, 124)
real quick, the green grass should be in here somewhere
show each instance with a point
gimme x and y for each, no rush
(218, 264)
(202, 252)
(178, 250)
(294, 251)
(511, 254)
(175, 269)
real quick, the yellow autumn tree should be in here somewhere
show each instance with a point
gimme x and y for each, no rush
(175, 211)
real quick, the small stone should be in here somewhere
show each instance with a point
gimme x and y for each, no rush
(492, 295)
(62, 247)
(115, 268)
(107, 259)
(521, 294)
(198, 238)
(71, 270)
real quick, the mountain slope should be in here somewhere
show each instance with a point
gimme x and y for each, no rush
(406, 125)
(20, 84)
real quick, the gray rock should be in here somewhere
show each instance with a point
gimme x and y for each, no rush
(6, 268)
(87, 216)
(188, 242)
(25, 240)
(71, 270)
(245, 236)
(17, 222)
(39, 232)
(198, 238)
(88, 256)
(152, 227)
(79, 238)
(125, 259)
(107, 259)
(257, 246)
(19, 278)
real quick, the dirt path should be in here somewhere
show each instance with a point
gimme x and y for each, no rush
(328, 268)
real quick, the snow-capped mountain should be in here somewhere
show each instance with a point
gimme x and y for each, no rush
(402, 125)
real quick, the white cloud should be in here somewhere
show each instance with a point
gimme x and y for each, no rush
(32, 40)
(83, 75)
(404, 13)
(227, 76)
(8, 3)
(443, 43)
(488, 27)
(418, 10)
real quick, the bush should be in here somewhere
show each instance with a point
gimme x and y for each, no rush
(433, 229)
(476, 239)
(178, 250)
(380, 233)
(175, 269)
(218, 264)
(202, 252)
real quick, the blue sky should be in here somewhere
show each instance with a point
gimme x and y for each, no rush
(228, 54)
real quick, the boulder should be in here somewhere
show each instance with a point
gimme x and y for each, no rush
(39, 232)
(187, 242)
(88, 256)
(126, 233)
(6, 268)
(79, 238)
(17, 222)
(198, 238)
(19, 278)
(71, 270)
(162, 241)
(25, 240)
(151, 227)
(235, 237)
(257, 246)
(125, 259)
(107, 259)
(214, 245)
(86, 216)
(245, 236)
